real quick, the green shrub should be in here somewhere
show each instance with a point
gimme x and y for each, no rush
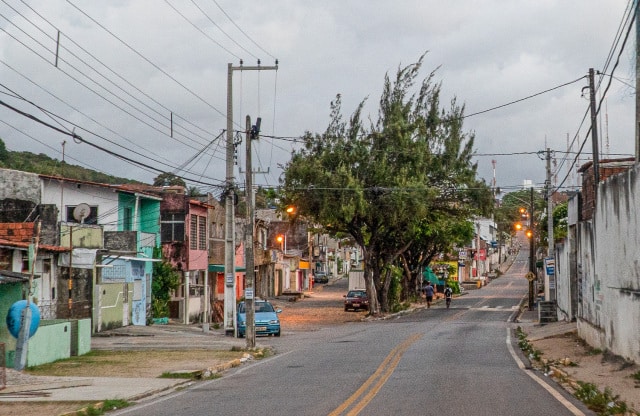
(603, 403)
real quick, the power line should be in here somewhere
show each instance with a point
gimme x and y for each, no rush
(525, 98)
(93, 81)
(79, 139)
(148, 60)
(200, 30)
(242, 31)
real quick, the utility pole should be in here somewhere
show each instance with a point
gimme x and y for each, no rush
(550, 238)
(637, 82)
(252, 134)
(532, 258)
(230, 243)
(22, 345)
(594, 133)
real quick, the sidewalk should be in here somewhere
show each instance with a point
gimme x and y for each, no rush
(23, 387)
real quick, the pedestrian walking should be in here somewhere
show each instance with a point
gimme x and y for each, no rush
(428, 292)
(448, 294)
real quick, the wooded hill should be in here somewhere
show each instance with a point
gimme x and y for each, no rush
(43, 164)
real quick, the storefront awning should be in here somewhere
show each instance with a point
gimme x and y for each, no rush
(219, 268)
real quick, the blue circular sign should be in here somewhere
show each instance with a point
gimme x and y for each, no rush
(14, 318)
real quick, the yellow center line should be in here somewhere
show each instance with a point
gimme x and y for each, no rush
(382, 374)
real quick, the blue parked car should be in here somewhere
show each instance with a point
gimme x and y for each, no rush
(266, 318)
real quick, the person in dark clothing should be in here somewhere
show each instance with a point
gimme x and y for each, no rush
(428, 292)
(448, 294)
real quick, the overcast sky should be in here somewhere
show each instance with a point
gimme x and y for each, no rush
(125, 69)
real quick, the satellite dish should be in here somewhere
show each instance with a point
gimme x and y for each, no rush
(81, 212)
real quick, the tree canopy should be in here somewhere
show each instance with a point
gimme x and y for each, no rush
(402, 181)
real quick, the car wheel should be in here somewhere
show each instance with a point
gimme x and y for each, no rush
(240, 335)
(346, 309)
(277, 334)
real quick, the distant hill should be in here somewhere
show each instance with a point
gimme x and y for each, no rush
(43, 164)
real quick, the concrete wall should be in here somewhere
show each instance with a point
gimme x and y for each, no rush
(114, 305)
(608, 268)
(52, 342)
(73, 194)
(24, 184)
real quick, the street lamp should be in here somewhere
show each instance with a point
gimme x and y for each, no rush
(282, 239)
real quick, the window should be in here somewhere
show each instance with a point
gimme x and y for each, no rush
(193, 232)
(202, 233)
(172, 227)
(127, 219)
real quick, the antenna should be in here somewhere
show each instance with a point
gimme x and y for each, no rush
(81, 212)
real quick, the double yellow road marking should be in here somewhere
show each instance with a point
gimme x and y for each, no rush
(372, 386)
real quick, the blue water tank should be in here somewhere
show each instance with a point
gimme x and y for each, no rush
(14, 318)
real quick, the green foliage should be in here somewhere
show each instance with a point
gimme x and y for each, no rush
(104, 407)
(4, 153)
(603, 403)
(454, 285)
(168, 179)
(524, 344)
(165, 280)
(403, 181)
(44, 165)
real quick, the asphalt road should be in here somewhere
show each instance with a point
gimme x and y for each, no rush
(457, 361)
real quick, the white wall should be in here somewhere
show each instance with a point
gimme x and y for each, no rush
(609, 268)
(76, 193)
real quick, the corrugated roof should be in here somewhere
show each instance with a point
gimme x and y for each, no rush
(7, 276)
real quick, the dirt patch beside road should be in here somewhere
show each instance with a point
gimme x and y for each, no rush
(571, 360)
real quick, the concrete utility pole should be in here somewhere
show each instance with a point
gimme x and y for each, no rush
(594, 132)
(532, 258)
(22, 345)
(550, 238)
(252, 134)
(637, 83)
(230, 243)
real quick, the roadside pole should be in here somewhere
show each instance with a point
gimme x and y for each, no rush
(532, 262)
(22, 345)
(230, 244)
(252, 134)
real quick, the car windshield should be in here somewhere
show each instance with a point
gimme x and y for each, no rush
(258, 307)
(356, 294)
(263, 307)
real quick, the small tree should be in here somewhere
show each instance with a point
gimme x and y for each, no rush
(165, 280)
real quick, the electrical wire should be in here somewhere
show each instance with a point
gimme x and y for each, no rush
(242, 31)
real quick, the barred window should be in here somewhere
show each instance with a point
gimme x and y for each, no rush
(202, 233)
(193, 232)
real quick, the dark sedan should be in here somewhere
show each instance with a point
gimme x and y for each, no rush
(321, 277)
(356, 299)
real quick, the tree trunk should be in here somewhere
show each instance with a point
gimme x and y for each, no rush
(370, 283)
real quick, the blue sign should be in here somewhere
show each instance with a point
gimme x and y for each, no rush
(550, 264)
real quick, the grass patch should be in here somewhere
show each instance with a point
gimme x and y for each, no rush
(102, 408)
(594, 351)
(147, 363)
(603, 403)
(191, 375)
(526, 346)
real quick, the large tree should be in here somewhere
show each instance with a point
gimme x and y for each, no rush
(383, 181)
